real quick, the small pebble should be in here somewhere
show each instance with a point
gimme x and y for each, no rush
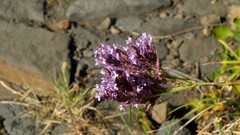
(114, 30)
(163, 15)
(159, 112)
(179, 16)
(105, 24)
(61, 25)
(233, 12)
(206, 31)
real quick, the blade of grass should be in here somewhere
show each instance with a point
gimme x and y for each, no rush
(125, 123)
(177, 89)
(230, 62)
(229, 49)
(193, 118)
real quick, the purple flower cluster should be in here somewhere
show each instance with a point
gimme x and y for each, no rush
(131, 73)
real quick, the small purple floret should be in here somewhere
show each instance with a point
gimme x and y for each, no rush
(131, 73)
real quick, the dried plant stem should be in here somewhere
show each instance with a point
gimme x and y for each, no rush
(14, 102)
(178, 33)
(193, 118)
(24, 96)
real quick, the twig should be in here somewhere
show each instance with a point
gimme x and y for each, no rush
(10, 89)
(14, 102)
(202, 130)
(31, 100)
(237, 122)
(182, 75)
(177, 33)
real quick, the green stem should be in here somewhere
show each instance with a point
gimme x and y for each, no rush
(126, 124)
(229, 49)
(230, 62)
(216, 83)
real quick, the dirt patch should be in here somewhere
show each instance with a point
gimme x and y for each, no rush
(22, 78)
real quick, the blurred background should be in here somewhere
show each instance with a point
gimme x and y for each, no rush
(37, 36)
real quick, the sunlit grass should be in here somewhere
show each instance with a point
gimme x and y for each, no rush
(67, 104)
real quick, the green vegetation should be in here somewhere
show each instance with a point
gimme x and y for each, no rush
(66, 104)
(219, 105)
(222, 100)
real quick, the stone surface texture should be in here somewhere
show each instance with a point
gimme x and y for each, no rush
(32, 49)
(94, 9)
(22, 9)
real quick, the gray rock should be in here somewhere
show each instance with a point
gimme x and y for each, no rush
(113, 39)
(94, 8)
(33, 49)
(85, 38)
(60, 129)
(56, 9)
(166, 26)
(88, 53)
(180, 98)
(159, 112)
(86, 41)
(196, 50)
(208, 69)
(162, 51)
(84, 65)
(165, 130)
(189, 36)
(22, 9)
(234, 2)
(129, 23)
(15, 122)
(200, 7)
(10, 110)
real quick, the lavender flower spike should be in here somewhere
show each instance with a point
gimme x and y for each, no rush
(130, 73)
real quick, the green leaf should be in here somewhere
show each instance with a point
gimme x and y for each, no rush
(238, 88)
(236, 35)
(238, 52)
(237, 22)
(215, 74)
(222, 33)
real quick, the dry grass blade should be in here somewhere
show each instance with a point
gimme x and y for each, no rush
(202, 131)
(25, 96)
(193, 118)
(62, 106)
(45, 128)
(14, 102)
(236, 123)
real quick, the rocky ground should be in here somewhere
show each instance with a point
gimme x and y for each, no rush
(36, 36)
